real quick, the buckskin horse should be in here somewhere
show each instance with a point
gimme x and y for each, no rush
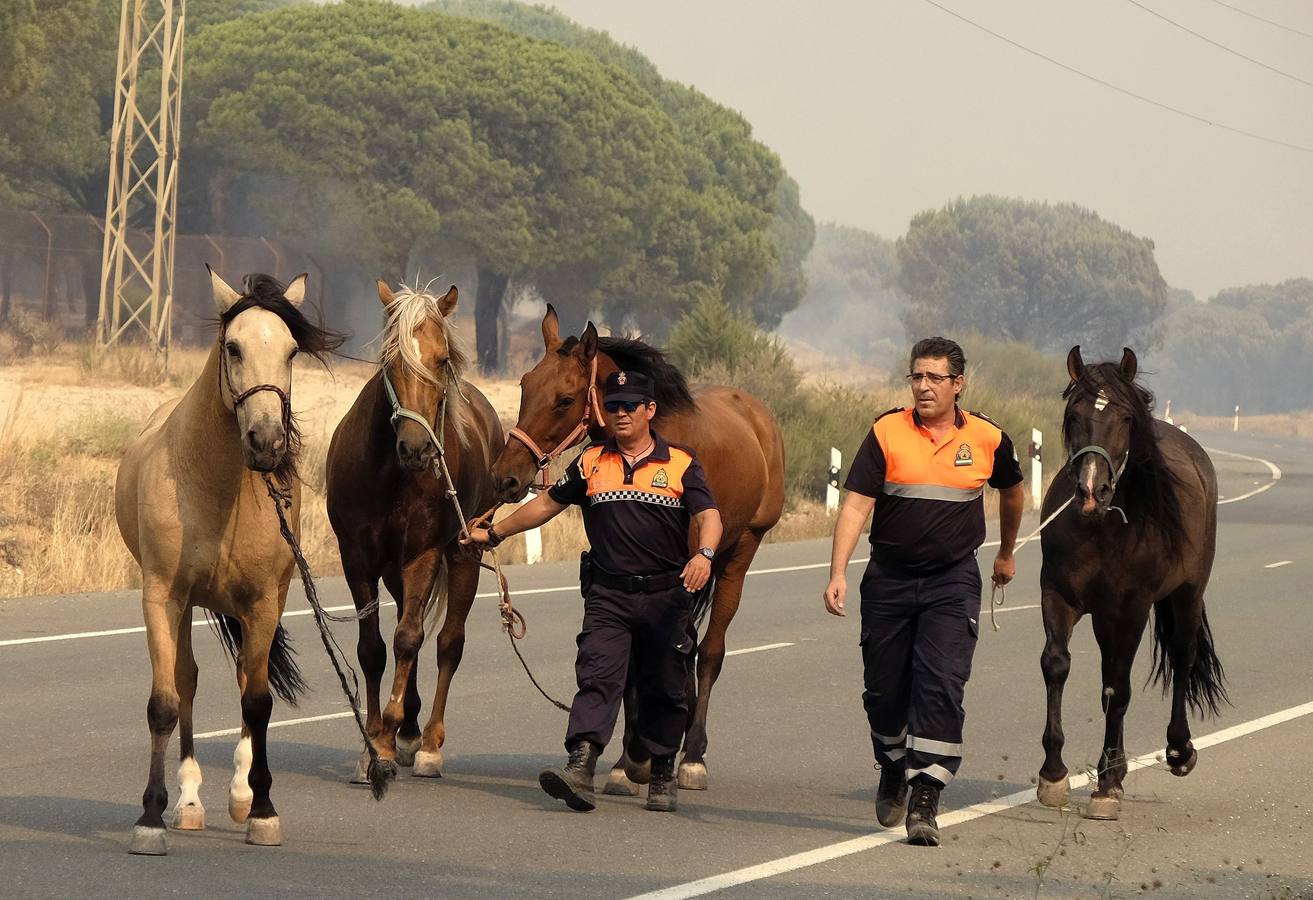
(194, 511)
(736, 439)
(389, 506)
(1154, 552)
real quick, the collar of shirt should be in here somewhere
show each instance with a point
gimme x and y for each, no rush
(959, 420)
(660, 449)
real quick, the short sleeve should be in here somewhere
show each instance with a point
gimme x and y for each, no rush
(866, 476)
(697, 494)
(1007, 468)
(571, 489)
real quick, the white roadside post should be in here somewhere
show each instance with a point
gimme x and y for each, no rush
(1235, 425)
(1036, 469)
(832, 484)
(533, 544)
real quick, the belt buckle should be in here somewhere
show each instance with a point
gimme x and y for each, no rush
(639, 583)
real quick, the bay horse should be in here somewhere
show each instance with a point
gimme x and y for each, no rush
(1155, 552)
(738, 442)
(394, 519)
(194, 510)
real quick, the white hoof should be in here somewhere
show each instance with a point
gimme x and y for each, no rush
(1103, 808)
(1053, 793)
(264, 832)
(619, 785)
(406, 748)
(148, 841)
(693, 776)
(239, 808)
(189, 818)
(361, 775)
(428, 765)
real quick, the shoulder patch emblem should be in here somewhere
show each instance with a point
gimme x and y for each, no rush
(963, 456)
(661, 479)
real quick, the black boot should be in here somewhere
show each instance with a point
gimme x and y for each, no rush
(663, 788)
(891, 796)
(574, 783)
(922, 807)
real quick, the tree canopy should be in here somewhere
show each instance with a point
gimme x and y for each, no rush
(1051, 275)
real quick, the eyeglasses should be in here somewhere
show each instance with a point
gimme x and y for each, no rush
(614, 406)
(933, 378)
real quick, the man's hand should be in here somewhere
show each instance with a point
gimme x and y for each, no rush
(478, 539)
(1005, 568)
(696, 573)
(835, 592)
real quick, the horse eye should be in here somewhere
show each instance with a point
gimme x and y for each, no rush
(291, 356)
(233, 351)
(565, 403)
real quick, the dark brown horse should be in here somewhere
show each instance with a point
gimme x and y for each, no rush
(1139, 534)
(394, 519)
(736, 439)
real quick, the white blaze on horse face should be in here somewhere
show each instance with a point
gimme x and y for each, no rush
(1102, 400)
(1088, 469)
(240, 789)
(189, 783)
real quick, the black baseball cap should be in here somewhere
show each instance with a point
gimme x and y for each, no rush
(628, 387)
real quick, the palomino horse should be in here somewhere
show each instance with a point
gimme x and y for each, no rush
(195, 512)
(1155, 552)
(395, 519)
(736, 439)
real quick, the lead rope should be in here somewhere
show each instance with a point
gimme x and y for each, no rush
(999, 595)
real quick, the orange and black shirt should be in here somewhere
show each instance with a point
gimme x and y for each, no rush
(636, 517)
(929, 509)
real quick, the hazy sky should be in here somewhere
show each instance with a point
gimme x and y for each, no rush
(883, 108)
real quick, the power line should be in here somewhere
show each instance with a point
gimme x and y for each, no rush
(1202, 37)
(1245, 12)
(1121, 90)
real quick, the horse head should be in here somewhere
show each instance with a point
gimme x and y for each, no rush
(556, 408)
(1104, 409)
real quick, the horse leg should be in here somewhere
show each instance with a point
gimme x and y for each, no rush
(417, 580)
(408, 734)
(189, 814)
(1118, 638)
(163, 617)
(711, 657)
(262, 824)
(462, 581)
(634, 767)
(371, 651)
(1055, 662)
(1187, 618)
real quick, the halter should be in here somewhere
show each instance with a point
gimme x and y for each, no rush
(543, 460)
(1114, 469)
(400, 412)
(225, 379)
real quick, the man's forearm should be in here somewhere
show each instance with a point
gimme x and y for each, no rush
(709, 527)
(538, 511)
(1012, 502)
(847, 531)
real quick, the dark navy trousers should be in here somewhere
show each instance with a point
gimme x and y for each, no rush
(918, 637)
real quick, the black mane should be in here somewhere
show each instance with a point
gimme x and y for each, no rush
(1148, 488)
(633, 355)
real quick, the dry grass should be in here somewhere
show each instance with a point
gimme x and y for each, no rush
(1294, 424)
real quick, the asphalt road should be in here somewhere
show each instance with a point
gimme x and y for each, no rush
(790, 810)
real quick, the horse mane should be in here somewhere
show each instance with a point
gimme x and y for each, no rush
(313, 338)
(408, 311)
(632, 355)
(1148, 486)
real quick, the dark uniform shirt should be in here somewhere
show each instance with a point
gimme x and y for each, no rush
(636, 518)
(930, 511)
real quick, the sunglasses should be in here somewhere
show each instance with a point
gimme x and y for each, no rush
(614, 406)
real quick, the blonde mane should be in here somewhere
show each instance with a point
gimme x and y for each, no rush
(406, 314)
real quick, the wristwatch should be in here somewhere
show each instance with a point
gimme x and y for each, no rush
(707, 552)
(493, 537)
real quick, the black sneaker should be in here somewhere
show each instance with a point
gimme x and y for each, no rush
(891, 796)
(922, 807)
(574, 783)
(663, 788)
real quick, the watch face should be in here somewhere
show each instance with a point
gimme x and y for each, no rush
(709, 554)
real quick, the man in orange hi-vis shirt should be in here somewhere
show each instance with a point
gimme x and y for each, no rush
(923, 470)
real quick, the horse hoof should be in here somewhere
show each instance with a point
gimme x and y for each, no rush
(239, 808)
(1103, 808)
(693, 776)
(406, 748)
(1183, 769)
(189, 818)
(428, 765)
(147, 841)
(1053, 793)
(619, 785)
(638, 773)
(264, 832)
(361, 775)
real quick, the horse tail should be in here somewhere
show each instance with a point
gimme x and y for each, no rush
(437, 602)
(284, 674)
(1205, 688)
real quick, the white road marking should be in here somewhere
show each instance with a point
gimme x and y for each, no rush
(1277, 565)
(756, 649)
(226, 732)
(1271, 467)
(956, 817)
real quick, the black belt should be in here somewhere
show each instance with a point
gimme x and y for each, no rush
(637, 584)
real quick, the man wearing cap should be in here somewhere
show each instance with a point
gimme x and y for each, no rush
(638, 494)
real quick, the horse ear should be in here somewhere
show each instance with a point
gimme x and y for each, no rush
(1129, 364)
(551, 329)
(588, 342)
(224, 296)
(385, 295)
(1075, 367)
(295, 292)
(447, 305)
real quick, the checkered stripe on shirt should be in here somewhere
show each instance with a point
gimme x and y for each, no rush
(640, 496)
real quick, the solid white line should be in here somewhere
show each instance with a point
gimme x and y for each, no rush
(1277, 565)
(1271, 467)
(756, 649)
(283, 724)
(957, 817)
(71, 637)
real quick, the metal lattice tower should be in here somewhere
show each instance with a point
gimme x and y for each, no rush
(136, 276)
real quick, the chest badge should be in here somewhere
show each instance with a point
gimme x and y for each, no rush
(963, 456)
(661, 479)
